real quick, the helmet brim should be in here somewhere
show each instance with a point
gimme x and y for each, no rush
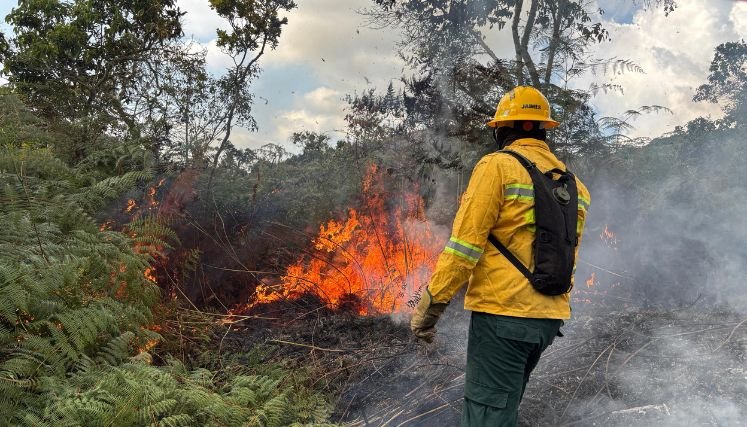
(549, 123)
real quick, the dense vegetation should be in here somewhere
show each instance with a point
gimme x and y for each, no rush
(77, 311)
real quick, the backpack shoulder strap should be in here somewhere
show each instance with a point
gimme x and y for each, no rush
(511, 258)
(528, 164)
(530, 167)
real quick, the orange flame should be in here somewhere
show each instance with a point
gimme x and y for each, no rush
(377, 257)
(608, 237)
(150, 274)
(591, 281)
(147, 346)
(144, 248)
(151, 196)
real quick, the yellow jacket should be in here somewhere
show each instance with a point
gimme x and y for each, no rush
(499, 200)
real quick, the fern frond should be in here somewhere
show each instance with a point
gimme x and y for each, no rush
(95, 196)
(116, 350)
(179, 420)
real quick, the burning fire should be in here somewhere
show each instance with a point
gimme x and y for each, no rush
(591, 281)
(151, 195)
(377, 257)
(150, 274)
(136, 210)
(608, 237)
(148, 345)
(150, 199)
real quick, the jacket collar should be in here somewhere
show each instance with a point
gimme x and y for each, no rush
(529, 142)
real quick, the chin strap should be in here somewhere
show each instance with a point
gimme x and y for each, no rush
(495, 138)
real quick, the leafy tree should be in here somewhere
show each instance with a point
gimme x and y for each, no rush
(450, 34)
(372, 117)
(311, 142)
(122, 68)
(255, 26)
(18, 125)
(81, 61)
(459, 76)
(727, 82)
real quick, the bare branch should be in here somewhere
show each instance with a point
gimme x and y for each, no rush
(517, 43)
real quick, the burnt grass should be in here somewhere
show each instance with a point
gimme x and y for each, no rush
(612, 368)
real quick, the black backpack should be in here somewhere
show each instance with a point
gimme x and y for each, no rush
(555, 211)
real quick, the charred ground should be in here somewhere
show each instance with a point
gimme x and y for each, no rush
(627, 367)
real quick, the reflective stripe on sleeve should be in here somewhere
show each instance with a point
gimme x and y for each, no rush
(518, 192)
(463, 249)
(583, 203)
(525, 192)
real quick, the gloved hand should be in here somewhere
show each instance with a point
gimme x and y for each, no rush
(423, 323)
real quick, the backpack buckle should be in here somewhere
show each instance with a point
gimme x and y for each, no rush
(561, 195)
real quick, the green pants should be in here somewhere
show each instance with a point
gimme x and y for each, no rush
(501, 353)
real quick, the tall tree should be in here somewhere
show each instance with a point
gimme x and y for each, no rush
(727, 82)
(459, 76)
(80, 61)
(111, 66)
(255, 27)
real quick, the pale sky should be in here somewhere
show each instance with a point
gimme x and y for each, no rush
(304, 92)
(327, 51)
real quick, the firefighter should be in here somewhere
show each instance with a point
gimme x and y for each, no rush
(512, 323)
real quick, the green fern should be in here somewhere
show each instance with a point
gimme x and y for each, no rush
(74, 306)
(62, 309)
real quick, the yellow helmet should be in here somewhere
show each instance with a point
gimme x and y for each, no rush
(523, 103)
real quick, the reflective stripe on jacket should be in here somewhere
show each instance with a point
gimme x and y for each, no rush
(499, 200)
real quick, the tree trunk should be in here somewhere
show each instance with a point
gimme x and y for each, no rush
(478, 38)
(517, 43)
(554, 41)
(221, 147)
(528, 27)
(239, 81)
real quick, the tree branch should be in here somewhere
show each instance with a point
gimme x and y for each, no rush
(517, 43)
(528, 27)
(478, 37)
(555, 40)
(240, 80)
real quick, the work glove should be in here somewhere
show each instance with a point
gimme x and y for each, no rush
(423, 323)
